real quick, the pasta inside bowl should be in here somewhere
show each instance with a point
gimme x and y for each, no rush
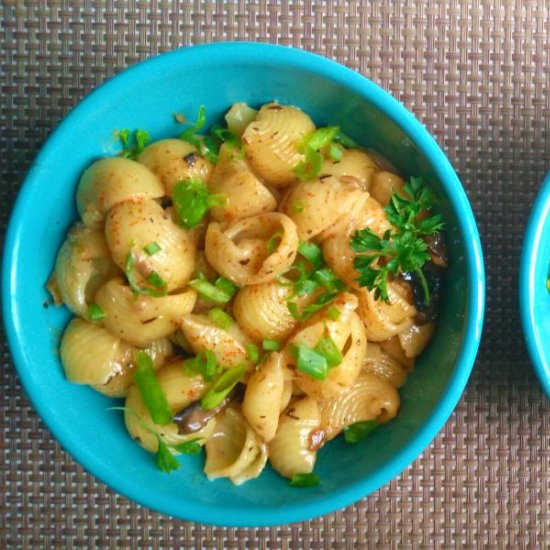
(137, 98)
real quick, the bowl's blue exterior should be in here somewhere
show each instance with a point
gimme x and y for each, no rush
(534, 298)
(147, 96)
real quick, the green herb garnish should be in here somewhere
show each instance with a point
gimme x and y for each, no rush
(274, 241)
(150, 389)
(190, 447)
(190, 199)
(221, 388)
(311, 362)
(252, 352)
(358, 431)
(220, 292)
(133, 144)
(304, 480)
(271, 345)
(158, 286)
(333, 313)
(164, 459)
(312, 253)
(190, 134)
(401, 249)
(152, 248)
(96, 313)
(220, 317)
(204, 364)
(330, 351)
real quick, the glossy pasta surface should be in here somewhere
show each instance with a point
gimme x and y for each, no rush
(234, 273)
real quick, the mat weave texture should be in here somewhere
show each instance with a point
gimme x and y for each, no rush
(476, 73)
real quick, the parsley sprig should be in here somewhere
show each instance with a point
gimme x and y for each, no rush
(133, 143)
(401, 249)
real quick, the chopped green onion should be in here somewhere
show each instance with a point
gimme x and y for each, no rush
(333, 313)
(335, 152)
(310, 168)
(345, 140)
(220, 292)
(330, 351)
(293, 308)
(328, 279)
(220, 318)
(312, 253)
(271, 345)
(150, 389)
(96, 313)
(252, 352)
(164, 459)
(190, 447)
(221, 388)
(210, 149)
(152, 248)
(321, 137)
(229, 137)
(298, 206)
(158, 288)
(204, 364)
(358, 431)
(320, 302)
(304, 480)
(190, 199)
(216, 201)
(304, 288)
(311, 363)
(274, 241)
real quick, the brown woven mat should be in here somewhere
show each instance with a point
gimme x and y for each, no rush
(476, 73)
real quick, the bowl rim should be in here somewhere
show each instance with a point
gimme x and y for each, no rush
(530, 289)
(256, 53)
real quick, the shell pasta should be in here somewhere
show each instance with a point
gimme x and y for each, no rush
(251, 292)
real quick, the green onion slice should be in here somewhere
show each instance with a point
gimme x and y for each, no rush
(150, 389)
(333, 313)
(189, 135)
(190, 199)
(304, 480)
(204, 363)
(152, 248)
(252, 352)
(96, 313)
(220, 292)
(274, 241)
(222, 387)
(311, 362)
(360, 430)
(220, 318)
(158, 286)
(190, 447)
(271, 345)
(164, 459)
(330, 351)
(312, 253)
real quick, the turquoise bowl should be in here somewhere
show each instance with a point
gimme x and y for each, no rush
(534, 298)
(147, 96)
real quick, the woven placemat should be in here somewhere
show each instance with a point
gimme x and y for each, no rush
(476, 74)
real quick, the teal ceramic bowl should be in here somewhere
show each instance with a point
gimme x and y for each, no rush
(534, 298)
(146, 96)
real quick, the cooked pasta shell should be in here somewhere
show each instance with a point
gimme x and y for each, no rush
(110, 181)
(264, 392)
(181, 390)
(415, 338)
(232, 449)
(293, 450)
(245, 194)
(132, 225)
(239, 116)
(382, 320)
(83, 263)
(348, 333)
(371, 398)
(394, 349)
(173, 160)
(118, 385)
(354, 162)
(203, 334)
(262, 312)
(365, 213)
(90, 354)
(240, 252)
(141, 319)
(383, 365)
(384, 184)
(255, 468)
(316, 205)
(272, 142)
